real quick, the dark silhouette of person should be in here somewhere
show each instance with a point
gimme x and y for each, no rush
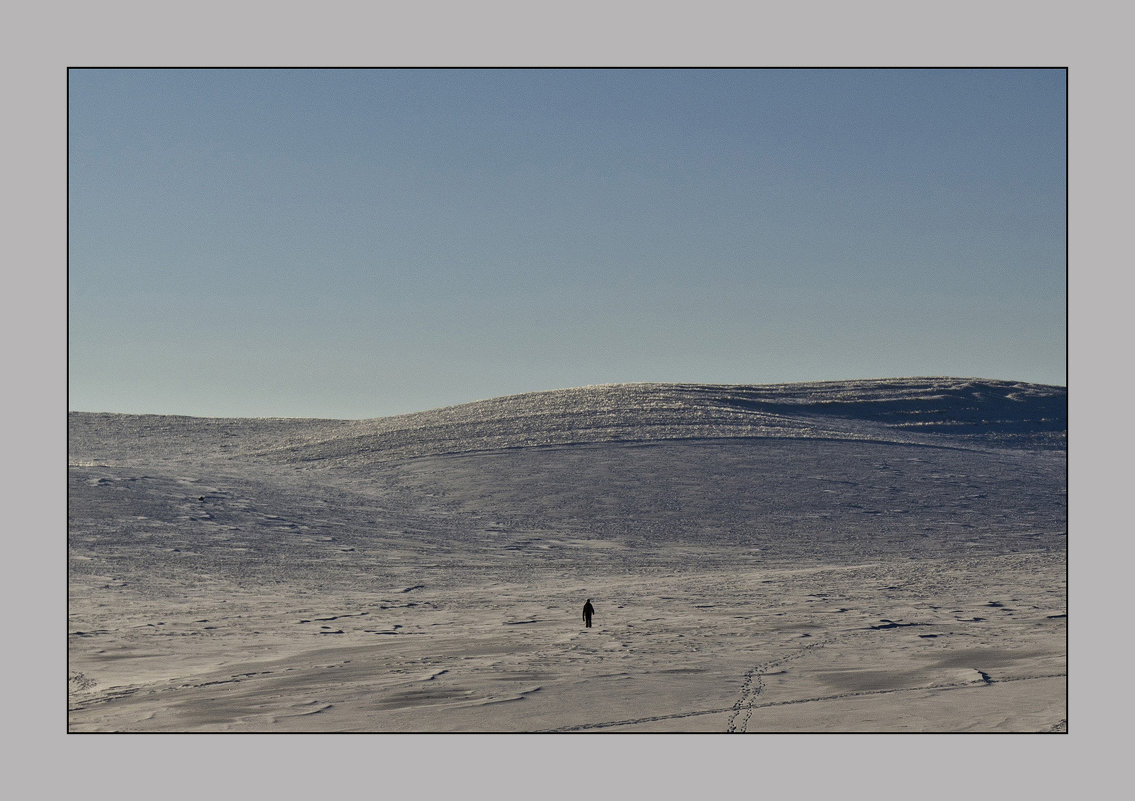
(588, 611)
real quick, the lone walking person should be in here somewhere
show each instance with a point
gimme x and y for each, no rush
(588, 611)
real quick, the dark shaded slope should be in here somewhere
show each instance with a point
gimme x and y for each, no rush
(998, 412)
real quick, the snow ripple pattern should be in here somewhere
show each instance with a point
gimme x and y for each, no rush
(914, 411)
(927, 411)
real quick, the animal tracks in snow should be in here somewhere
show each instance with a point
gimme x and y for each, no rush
(753, 683)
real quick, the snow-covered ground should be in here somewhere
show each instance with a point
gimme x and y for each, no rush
(838, 556)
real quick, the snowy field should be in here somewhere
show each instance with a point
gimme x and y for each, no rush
(867, 556)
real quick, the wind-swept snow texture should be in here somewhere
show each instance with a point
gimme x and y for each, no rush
(838, 556)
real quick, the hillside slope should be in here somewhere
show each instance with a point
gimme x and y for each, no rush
(929, 411)
(841, 556)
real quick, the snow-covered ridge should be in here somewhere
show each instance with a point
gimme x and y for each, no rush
(946, 411)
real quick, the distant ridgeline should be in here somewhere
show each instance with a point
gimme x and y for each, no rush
(945, 412)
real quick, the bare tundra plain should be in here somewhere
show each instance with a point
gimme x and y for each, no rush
(860, 556)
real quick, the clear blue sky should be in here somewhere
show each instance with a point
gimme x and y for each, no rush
(342, 243)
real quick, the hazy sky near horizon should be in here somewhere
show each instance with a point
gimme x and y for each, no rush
(357, 243)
